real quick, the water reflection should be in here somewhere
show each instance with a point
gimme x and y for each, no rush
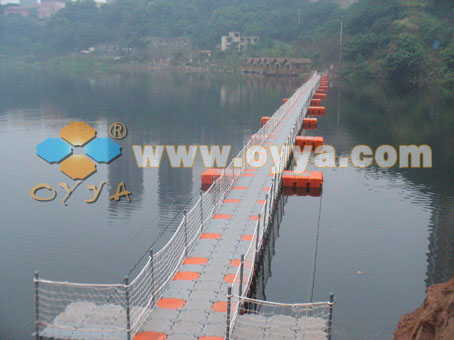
(386, 234)
(101, 242)
(412, 118)
(265, 256)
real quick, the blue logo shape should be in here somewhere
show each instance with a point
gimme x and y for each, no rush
(53, 150)
(103, 150)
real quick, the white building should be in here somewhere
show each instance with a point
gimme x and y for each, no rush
(235, 41)
(6, 2)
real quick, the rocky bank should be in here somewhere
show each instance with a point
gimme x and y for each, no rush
(434, 320)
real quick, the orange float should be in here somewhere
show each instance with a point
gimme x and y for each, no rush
(264, 120)
(318, 95)
(302, 141)
(316, 111)
(307, 179)
(310, 123)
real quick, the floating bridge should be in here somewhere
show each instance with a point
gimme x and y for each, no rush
(197, 286)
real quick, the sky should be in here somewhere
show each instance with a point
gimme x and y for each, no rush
(4, 2)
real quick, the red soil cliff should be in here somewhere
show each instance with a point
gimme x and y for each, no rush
(434, 320)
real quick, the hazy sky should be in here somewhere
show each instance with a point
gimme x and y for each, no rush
(4, 2)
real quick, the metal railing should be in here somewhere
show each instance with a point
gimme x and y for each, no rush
(93, 311)
(237, 293)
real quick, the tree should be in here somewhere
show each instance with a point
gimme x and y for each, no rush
(406, 59)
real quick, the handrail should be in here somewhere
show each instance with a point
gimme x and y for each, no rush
(140, 296)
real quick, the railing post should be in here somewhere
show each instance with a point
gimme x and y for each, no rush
(215, 191)
(128, 316)
(271, 195)
(257, 235)
(229, 305)
(36, 281)
(276, 186)
(241, 276)
(266, 207)
(201, 210)
(152, 275)
(330, 317)
(224, 178)
(185, 233)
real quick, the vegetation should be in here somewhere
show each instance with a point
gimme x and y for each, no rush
(405, 40)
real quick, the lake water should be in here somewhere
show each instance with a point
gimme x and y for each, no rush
(385, 235)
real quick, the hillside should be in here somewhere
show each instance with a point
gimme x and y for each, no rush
(405, 40)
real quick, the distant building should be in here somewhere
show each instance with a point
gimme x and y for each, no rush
(28, 2)
(173, 48)
(48, 8)
(8, 2)
(162, 42)
(234, 40)
(18, 10)
(205, 53)
(276, 66)
(205, 56)
(44, 9)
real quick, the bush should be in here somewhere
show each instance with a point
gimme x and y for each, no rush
(406, 59)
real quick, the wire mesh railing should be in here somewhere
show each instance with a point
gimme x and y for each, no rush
(102, 311)
(270, 320)
(237, 295)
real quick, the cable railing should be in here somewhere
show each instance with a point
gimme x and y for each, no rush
(237, 293)
(94, 311)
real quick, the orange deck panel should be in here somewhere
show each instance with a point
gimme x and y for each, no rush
(229, 278)
(247, 237)
(232, 200)
(171, 303)
(235, 263)
(220, 306)
(186, 276)
(222, 217)
(196, 260)
(210, 236)
(150, 336)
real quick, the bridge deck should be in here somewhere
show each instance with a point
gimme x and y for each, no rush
(193, 306)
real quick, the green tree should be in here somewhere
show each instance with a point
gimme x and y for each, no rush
(405, 60)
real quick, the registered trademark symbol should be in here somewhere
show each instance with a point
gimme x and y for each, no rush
(118, 130)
